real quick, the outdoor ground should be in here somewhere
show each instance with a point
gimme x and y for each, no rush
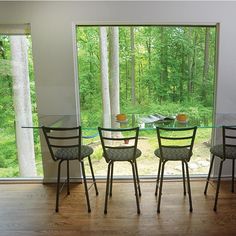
(148, 163)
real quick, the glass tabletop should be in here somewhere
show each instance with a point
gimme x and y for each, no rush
(133, 120)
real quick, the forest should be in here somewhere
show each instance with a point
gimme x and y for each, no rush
(162, 69)
(135, 70)
(17, 105)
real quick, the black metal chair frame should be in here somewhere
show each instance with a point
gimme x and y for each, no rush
(110, 169)
(162, 161)
(49, 137)
(226, 138)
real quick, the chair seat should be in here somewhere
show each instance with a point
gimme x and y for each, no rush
(122, 154)
(72, 153)
(217, 150)
(174, 154)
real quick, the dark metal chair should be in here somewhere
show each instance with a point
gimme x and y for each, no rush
(120, 145)
(226, 150)
(65, 145)
(175, 144)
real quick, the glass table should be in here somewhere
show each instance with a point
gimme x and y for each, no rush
(133, 120)
(147, 143)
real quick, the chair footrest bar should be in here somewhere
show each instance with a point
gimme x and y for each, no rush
(91, 186)
(62, 186)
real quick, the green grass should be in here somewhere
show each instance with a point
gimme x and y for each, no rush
(8, 155)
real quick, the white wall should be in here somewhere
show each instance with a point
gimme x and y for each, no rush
(51, 30)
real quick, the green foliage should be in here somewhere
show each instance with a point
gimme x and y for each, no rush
(169, 78)
(169, 67)
(8, 153)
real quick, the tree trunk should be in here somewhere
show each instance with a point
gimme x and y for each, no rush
(140, 75)
(104, 78)
(206, 65)
(127, 67)
(149, 51)
(22, 106)
(126, 78)
(181, 81)
(149, 47)
(192, 64)
(114, 75)
(133, 95)
(164, 65)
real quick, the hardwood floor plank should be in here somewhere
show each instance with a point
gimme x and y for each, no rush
(28, 209)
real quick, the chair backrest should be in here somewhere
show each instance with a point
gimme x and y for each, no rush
(118, 139)
(176, 138)
(58, 138)
(229, 138)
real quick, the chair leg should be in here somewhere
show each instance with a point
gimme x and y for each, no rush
(218, 185)
(183, 172)
(85, 185)
(233, 162)
(189, 188)
(161, 183)
(209, 174)
(135, 187)
(158, 177)
(58, 185)
(68, 177)
(107, 186)
(111, 182)
(94, 180)
(137, 176)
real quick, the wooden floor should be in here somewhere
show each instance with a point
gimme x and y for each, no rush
(28, 210)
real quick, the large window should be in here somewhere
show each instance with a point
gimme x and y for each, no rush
(142, 71)
(20, 154)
